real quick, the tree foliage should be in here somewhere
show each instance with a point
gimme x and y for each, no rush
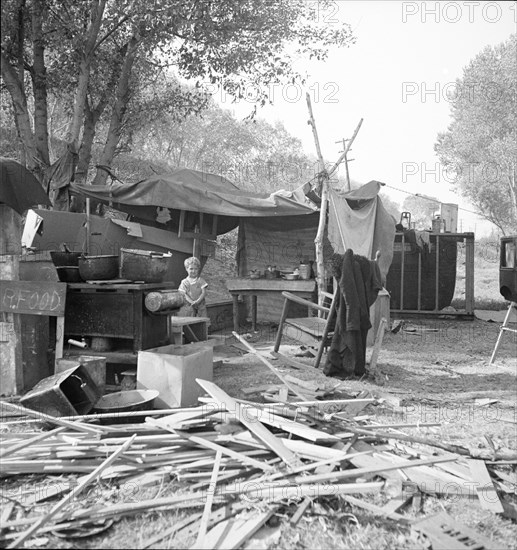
(479, 148)
(422, 210)
(105, 60)
(255, 155)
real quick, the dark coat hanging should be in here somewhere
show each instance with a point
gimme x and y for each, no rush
(359, 282)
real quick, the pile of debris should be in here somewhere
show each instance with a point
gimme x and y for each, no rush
(239, 462)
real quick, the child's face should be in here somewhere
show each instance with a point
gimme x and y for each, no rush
(193, 271)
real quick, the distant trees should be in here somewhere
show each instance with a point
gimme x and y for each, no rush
(255, 155)
(421, 209)
(104, 66)
(479, 148)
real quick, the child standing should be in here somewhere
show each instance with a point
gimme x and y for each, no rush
(194, 288)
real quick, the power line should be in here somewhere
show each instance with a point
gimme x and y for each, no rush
(428, 198)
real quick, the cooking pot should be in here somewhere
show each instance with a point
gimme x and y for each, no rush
(98, 268)
(68, 274)
(65, 259)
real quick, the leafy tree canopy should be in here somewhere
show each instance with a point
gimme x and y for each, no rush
(104, 59)
(479, 148)
(422, 210)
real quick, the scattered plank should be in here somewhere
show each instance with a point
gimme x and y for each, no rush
(209, 501)
(255, 426)
(233, 533)
(58, 507)
(446, 533)
(302, 508)
(268, 365)
(487, 493)
(172, 530)
(239, 456)
(53, 419)
(377, 346)
(30, 442)
(290, 361)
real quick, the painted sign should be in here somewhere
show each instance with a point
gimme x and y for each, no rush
(33, 297)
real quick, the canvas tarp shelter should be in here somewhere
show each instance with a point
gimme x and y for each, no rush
(276, 229)
(194, 191)
(357, 220)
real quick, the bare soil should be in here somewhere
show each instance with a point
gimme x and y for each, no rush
(433, 370)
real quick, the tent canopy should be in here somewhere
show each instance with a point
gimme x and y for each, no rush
(195, 191)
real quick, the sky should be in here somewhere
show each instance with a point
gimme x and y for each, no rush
(396, 77)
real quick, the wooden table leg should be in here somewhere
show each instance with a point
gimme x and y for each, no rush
(254, 312)
(235, 312)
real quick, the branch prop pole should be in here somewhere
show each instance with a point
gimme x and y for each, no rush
(323, 179)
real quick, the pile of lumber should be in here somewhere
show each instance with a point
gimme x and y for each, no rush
(236, 463)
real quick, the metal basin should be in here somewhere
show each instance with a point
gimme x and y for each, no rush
(126, 401)
(98, 268)
(65, 259)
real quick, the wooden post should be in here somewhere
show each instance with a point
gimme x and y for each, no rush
(469, 273)
(196, 248)
(35, 298)
(11, 365)
(88, 226)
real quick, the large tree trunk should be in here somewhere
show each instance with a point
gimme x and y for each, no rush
(39, 84)
(21, 112)
(85, 155)
(20, 41)
(119, 110)
(92, 35)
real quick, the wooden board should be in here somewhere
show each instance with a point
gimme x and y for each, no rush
(485, 489)
(253, 425)
(33, 297)
(446, 533)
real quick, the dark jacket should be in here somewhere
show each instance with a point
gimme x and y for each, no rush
(359, 282)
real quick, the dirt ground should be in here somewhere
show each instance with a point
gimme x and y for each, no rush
(431, 371)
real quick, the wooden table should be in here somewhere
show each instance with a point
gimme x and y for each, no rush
(257, 287)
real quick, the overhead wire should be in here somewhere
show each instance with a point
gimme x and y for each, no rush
(419, 195)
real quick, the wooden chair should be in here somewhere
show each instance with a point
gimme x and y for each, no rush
(309, 330)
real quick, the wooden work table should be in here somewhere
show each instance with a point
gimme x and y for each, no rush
(257, 287)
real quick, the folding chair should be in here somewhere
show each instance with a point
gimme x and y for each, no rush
(309, 330)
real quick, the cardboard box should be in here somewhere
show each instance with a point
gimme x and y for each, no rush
(172, 370)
